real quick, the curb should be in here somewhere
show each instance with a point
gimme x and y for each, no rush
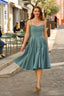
(57, 64)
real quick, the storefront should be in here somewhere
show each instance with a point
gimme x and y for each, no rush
(24, 13)
(3, 14)
(13, 14)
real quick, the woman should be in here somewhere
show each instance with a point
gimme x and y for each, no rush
(1, 45)
(35, 56)
(16, 27)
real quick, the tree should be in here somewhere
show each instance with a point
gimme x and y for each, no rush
(50, 7)
(43, 2)
(35, 1)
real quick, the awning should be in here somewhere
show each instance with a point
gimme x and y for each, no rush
(25, 7)
(16, 5)
(4, 2)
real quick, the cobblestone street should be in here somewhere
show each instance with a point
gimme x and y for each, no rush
(52, 82)
(57, 55)
(31, 37)
(24, 82)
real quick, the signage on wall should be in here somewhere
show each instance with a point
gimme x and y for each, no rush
(5, 13)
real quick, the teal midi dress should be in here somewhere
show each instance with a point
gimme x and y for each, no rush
(36, 54)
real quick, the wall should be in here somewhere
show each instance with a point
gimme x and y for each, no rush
(60, 14)
(3, 17)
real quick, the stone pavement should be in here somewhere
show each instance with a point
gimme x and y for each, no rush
(24, 82)
(57, 53)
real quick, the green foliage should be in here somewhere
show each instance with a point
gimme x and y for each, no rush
(39, 1)
(51, 7)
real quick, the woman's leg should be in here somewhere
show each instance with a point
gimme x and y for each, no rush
(38, 75)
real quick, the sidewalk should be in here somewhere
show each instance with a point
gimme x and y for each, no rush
(57, 53)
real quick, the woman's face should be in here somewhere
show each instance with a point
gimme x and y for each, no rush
(36, 12)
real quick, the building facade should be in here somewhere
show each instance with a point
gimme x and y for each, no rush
(17, 12)
(3, 14)
(60, 14)
(25, 10)
(13, 13)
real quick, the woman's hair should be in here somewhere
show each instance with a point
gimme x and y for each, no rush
(41, 14)
(17, 25)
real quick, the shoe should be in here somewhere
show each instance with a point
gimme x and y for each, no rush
(38, 89)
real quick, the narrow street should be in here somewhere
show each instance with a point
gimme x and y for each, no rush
(14, 14)
(52, 82)
(24, 82)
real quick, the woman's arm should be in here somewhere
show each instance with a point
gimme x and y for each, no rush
(14, 29)
(27, 33)
(0, 32)
(45, 32)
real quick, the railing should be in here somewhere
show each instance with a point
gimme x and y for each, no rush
(12, 42)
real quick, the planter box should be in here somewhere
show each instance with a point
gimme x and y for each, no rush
(50, 25)
(49, 29)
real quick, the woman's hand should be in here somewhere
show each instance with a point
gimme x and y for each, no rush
(22, 48)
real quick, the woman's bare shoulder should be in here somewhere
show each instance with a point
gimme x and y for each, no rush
(28, 22)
